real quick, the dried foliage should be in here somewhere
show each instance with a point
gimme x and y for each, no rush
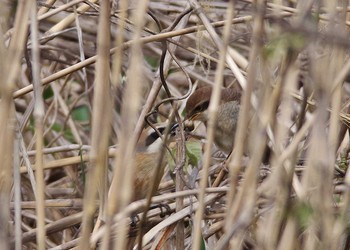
(83, 82)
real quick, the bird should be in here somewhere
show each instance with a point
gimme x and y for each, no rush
(147, 157)
(227, 115)
(146, 163)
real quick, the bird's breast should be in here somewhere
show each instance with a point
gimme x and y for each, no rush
(226, 126)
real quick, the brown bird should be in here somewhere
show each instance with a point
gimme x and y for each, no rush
(227, 116)
(145, 170)
(147, 158)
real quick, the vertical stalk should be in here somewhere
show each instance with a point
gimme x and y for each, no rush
(101, 118)
(39, 130)
(213, 107)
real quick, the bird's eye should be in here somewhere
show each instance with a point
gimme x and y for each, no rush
(200, 108)
(151, 138)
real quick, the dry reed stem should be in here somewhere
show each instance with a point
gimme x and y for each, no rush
(64, 23)
(144, 40)
(129, 116)
(97, 176)
(44, 9)
(243, 206)
(38, 114)
(63, 7)
(17, 193)
(112, 203)
(212, 109)
(10, 67)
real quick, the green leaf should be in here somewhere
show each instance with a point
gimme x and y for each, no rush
(67, 133)
(193, 152)
(170, 160)
(56, 127)
(81, 113)
(303, 212)
(48, 93)
(279, 45)
(152, 61)
(172, 70)
(82, 168)
(343, 163)
(202, 244)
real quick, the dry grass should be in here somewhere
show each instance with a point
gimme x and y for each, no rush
(78, 80)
